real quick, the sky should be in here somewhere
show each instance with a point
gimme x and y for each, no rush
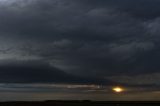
(79, 49)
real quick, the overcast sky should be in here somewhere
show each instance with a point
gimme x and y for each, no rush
(92, 44)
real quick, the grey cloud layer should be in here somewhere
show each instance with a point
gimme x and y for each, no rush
(86, 38)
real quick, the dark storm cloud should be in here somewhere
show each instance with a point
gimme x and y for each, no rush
(84, 38)
(30, 72)
(39, 72)
(142, 9)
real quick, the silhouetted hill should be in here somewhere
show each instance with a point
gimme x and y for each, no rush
(81, 103)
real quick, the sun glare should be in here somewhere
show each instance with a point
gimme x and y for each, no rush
(118, 89)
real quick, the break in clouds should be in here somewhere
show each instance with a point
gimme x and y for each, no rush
(79, 41)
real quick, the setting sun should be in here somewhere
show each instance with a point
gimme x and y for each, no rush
(118, 89)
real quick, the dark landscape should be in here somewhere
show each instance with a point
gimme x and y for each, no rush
(82, 103)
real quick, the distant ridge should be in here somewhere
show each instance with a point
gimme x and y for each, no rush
(80, 103)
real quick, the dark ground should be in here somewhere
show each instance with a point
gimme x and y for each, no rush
(79, 103)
